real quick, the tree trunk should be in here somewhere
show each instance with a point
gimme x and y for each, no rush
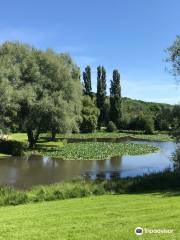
(53, 135)
(36, 136)
(30, 138)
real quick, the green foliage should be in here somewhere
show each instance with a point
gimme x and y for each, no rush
(111, 127)
(164, 119)
(105, 135)
(96, 150)
(176, 122)
(47, 89)
(10, 196)
(176, 117)
(174, 57)
(8, 106)
(162, 181)
(101, 94)
(142, 123)
(87, 81)
(161, 113)
(12, 147)
(176, 158)
(115, 99)
(90, 114)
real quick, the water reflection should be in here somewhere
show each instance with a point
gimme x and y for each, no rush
(34, 170)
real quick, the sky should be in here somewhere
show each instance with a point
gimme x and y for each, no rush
(128, 35)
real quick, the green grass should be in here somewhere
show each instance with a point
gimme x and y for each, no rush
(3, 155)
(91, 151)
(94, 218)
(155, 182)
(22, 137)
(97, 150)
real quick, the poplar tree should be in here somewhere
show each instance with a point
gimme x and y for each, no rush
(115, 99)
(101, 94)
(87, 81)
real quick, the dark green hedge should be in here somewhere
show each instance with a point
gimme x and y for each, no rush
(12, 147)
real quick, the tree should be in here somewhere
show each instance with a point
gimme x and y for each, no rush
(115, 99)
(47, 88)
(174, 57)
(142, 122)
(87, 81)
(8, 106)
(111, 127)
(163, 119)
(101, 94)
(90, 114)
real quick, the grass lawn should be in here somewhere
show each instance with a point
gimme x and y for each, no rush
(104, 217)
(22, 137)
(3, 155)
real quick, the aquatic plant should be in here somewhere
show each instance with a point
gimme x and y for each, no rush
(96, 150)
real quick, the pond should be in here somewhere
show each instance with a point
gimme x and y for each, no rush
(25, 172)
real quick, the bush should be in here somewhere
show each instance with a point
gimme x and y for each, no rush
(111, 127)
(90, 114)
(10, 196)
(176, 158)
(145, 123)
(12, 147)
(89, 124)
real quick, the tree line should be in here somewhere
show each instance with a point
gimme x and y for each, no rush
(109, 108)
(41, 91)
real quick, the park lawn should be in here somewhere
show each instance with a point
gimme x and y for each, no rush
(3, 155)
(22, 137)
(105, 217)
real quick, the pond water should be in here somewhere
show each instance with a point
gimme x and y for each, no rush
(25, 172)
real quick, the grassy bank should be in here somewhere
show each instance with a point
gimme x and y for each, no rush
(102, 134)
(93, 218)
(156, 182)
(3, 155)
(96, 150)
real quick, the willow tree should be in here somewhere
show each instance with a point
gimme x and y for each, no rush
(174, 58)
(47, 87)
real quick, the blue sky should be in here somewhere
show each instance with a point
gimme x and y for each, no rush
(130, 35)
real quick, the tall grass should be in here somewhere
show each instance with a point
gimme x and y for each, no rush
(156, 182)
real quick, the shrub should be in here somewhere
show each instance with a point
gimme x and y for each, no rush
(111, 127)
(145, 123)
(12, 147)
(90, 114)
(89, 124)
(176, 158)
(10, 196)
